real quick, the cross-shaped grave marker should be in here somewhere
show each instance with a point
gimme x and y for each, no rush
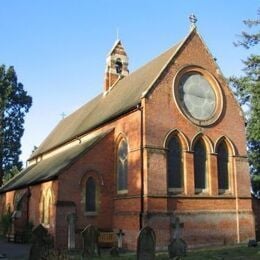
(120, 236)
(177, 246)
(176, 225)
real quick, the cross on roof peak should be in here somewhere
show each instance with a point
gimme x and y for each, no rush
(193, 19)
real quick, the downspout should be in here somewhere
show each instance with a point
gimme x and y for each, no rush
(237, 204)
(140, 108)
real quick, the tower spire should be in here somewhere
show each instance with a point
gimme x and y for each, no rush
(116, 65)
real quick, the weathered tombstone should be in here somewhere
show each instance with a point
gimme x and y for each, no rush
(178, 246)
(252, 243)
(71, 219)
(114, 251)
(146, 244)
(120, 236)
(42, 243)
(90, 241)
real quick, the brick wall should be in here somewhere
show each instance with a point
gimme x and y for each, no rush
(198, 212)
(114, 210)
(256, 210)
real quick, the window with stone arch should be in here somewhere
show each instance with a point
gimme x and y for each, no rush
(175, 164)
(45, 207)
(223, 167)
(200, 166)
(91, 196)
(122, 166)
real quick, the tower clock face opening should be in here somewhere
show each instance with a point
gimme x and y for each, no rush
(198, 96)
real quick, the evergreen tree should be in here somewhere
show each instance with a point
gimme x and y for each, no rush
(247, 90)
(14, 104)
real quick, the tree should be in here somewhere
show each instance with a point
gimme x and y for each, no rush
(14, 104)
(247, 90)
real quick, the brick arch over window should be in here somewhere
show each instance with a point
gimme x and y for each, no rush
(201, 146)
(183, 139)
(175, 169)
(19, 197)
(122, 165)
(90, 185)
(206, 140)
(231, 147)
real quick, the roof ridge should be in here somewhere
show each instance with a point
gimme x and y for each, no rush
(179, 46)
(124, 96)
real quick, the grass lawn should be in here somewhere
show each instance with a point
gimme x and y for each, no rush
(224, 253)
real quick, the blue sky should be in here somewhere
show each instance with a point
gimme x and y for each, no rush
(59, 47)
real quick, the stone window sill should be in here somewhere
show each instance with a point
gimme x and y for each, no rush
(175, 191)
(224, 193)
(122, 192)
(91, 214)
(201, 192)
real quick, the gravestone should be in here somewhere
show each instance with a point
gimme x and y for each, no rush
(90, 241)
(71, 219)
(120, 236)
(178, 246)
(146, 244)
(114, 252)
(252, 243)
(42, 243)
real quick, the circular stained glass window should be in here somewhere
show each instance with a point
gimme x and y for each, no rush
(197, 96)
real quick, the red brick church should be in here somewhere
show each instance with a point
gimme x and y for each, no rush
(165, 140)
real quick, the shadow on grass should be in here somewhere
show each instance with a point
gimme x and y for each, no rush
(225, 253)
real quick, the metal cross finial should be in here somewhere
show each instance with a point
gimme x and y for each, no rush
(193, 20)
(63, 115)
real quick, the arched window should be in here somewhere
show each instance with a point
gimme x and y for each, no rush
(46, 204)
(90, 195)
(122, 166)
(200, 166)
(175, 165)
(223, 175)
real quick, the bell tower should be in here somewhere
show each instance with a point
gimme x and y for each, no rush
(116, 65)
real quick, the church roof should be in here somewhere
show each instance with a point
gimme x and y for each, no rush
(121, 98)
(49, 169)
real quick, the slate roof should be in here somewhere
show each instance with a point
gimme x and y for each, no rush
(50, 168)
(124, 96)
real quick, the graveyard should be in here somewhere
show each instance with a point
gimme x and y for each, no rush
(41, 246)
(228, 252)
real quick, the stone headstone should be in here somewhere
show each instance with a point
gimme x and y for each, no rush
(146, 244)
(42, 243)
(90, 241)
(114, 251)
(252, 243)
(177, 247)
(120, 235)
(71, 219)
